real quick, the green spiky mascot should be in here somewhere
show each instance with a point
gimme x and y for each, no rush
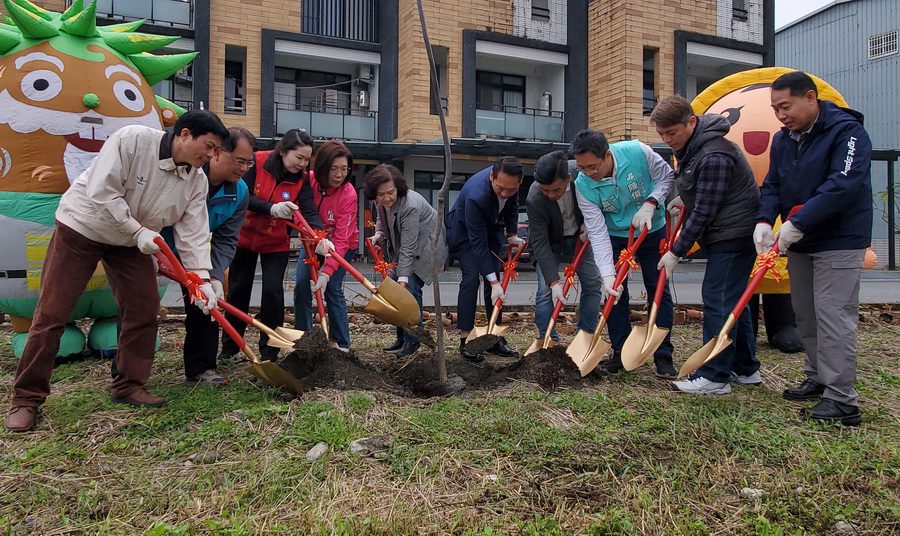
(65, 86)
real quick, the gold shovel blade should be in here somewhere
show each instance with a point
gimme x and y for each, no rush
(395, 305)
(633, 355)
(281, 344)
(704, 354)
(655, 338)
(587, 349)
(538, 344)
(289, 334)
(276, 376)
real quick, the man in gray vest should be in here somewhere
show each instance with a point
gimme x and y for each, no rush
(721, 200)
(554, 225)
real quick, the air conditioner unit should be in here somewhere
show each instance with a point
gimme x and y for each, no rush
(362, 99)
(366, 74)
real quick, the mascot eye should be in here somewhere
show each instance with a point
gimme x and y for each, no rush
(733, 115)
(41, 85)
(129, 95)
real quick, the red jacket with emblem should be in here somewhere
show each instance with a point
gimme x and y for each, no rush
(338, 208)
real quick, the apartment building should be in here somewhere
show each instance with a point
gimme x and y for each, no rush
(517, 77)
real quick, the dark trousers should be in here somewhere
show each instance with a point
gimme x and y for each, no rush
(271, 306)
(777, 311)
(724, 281)
(68, 266)
(468, 290)
(201, 339)
(619, 319)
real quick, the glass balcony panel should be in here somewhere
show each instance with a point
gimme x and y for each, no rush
(134, 9)
(490, 123)
(172, 11)
(359, 127)
(326, 125)
(520, 126)
(287, 119)
(548, 128)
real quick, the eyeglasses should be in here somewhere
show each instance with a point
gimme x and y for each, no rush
(590, 170)
(240, 161)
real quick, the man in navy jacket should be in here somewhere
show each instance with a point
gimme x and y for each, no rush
(821, 162)
(487, 206)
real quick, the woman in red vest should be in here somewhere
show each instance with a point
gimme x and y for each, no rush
(279, 184)
(337, 203)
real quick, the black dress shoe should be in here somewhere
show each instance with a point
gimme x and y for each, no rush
(408, 349)
(612, 365)
(787, 340)
(503, 349)
(664, 366)
(471, 357)
(394, 347)
(829, 411)
(808, 390)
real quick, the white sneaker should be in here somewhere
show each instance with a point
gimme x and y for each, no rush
(343, 349)
(701, 386)
(750, 379)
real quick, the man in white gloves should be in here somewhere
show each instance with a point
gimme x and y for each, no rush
(620, 185)
(486, 209)
(141, 181)
(555, 225)
(821, 162)
(226, 204)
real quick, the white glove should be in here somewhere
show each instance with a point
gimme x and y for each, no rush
(674, 207)
(643, 218)
(324, 247)
(763, 238)
(497, 292)
(556, 292)
(376, 238)
(788, 235)
(145, 241)
(583, 235)
(320, 283)
(669, 261)
(209, 303)
(515, 243)
(217, 287)
(608, 290)
(284, 210)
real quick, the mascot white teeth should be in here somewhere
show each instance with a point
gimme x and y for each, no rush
(65, 86)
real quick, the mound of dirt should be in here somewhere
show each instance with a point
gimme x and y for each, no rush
(550, 368)
(334, 369)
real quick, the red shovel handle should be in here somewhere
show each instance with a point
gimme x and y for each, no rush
(308, 232)
(567, 284)
(633, 245)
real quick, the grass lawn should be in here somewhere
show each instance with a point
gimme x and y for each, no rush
(618, 455)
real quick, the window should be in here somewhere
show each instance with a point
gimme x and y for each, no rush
(314, 91)
(501, 92)
(739, 10)
(441, 55)
(179, 88)
(345, 19)
(883, 45)
(235, 60)
(650, 88)
(540, 10)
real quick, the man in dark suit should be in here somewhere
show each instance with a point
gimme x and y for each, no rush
(487, 206)
(554, 226)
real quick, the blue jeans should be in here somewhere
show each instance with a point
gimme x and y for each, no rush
(335, 302)
(591, 293)
(620, 319)
(414, 286)
(724, 281)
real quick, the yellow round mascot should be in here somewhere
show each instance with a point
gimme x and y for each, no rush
(65, 86)
(743, 98)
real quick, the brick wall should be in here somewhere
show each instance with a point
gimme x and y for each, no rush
(619, 31)
(446, 22)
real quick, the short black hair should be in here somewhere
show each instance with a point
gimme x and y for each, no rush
(509, 165)
(672, 111)
(590, 141)
(235, 135)
(381, 174)
(798, 82)
(200, 122)
(551, 167)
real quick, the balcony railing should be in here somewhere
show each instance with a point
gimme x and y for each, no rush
(519, 123)
(345, 19)
(342, 123)
(176, 13)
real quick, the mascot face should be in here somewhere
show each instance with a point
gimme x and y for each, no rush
(68, 106)
(66, 85)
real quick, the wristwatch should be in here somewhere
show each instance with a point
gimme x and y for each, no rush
(652, 200)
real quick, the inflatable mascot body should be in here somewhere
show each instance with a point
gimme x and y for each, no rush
(743, 98)
(65, 86)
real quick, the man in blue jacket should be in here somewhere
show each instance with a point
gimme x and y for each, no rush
(487, 206)
(821, 161)
(226, 203)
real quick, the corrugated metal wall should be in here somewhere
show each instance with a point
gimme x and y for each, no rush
(833, 45)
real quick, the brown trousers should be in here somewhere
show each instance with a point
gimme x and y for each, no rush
(71, 260)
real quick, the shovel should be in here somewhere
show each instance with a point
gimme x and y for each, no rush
(295, 334)
(764, 262)
(390, 302)
(266, 371)
(569, 272)
(644, 340)
(587, 349)
(481, 339)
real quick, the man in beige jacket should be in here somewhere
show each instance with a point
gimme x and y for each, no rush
(141, 181)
